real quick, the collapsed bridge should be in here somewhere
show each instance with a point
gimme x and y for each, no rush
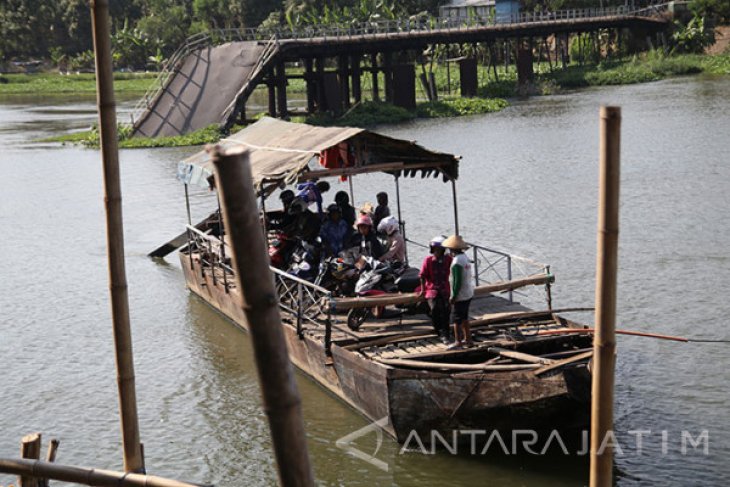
(210, 78)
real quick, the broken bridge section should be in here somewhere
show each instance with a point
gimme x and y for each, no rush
(202, 89)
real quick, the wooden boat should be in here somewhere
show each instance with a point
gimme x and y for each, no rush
(394, 370)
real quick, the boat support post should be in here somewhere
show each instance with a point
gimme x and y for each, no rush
(401, 223)
(187, 204)
(456, 207)
(259, 303)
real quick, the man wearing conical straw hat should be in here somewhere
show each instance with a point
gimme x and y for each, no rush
(461, 280)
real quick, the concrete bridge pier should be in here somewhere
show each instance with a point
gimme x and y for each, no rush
(355, 61)
(525, 72)
(280, 82)
(374, 73)
(310, 80)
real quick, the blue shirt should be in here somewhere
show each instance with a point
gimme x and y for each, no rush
(309, 193)
(334, 235)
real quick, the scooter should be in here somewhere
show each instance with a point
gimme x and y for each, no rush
(337, 275)
(305, 260)
(383, 278)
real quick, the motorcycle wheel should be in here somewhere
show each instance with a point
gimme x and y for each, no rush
(356, 317)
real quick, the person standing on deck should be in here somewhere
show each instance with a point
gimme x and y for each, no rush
(347, 210)
(461, 280)
(382, 210)
(434, 277)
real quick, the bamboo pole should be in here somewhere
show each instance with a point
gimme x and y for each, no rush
(604, 343)
(85, 476)
(133, 461)
(260, 305)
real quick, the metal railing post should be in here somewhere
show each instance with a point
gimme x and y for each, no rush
(509, 275)
(476, 266)
(300, 332)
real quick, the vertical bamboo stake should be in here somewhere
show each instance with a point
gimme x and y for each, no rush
(260, 304)
(604, 342)
(115, 236)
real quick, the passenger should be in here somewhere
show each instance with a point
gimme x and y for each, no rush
(364, 240)
(335, 231)
(462, 290)
(311, 192)
(434, 277)
(306, 224)
(395, 247)
(286, 197)
(284, 221)
(382, 210)
(347, 210)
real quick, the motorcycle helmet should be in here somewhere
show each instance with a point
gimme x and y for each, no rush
(388, 225)
(436, 242)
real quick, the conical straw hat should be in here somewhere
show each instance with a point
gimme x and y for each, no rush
(455, 242)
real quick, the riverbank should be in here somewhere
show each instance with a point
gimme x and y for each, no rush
(49, 83)
(493, 90)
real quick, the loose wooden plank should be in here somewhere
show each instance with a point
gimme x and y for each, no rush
(525, 357)
(559, 363)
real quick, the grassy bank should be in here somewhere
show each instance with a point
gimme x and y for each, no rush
(47, 83)
(367, 114)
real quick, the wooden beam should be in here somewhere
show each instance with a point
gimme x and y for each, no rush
(524, 357)
(342, 304)
(419, 364)
(559, 363)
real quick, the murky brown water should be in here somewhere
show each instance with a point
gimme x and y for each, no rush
(528, 185)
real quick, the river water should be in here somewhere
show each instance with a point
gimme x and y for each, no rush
(528, 185)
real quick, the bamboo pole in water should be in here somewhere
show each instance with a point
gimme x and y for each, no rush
(260, 304)
(84, 476)
(133, 461)
(604, 343)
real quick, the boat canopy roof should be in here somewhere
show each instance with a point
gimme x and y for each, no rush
(285, 152)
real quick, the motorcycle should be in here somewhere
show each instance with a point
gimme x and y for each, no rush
(305, 260)
(383, 278)
(337, 275)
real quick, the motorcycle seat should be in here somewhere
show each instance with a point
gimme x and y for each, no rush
(408, 281)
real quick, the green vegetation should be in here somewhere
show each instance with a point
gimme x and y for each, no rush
(638, 69)
(90, 138)
(460, 106)
(72, 83)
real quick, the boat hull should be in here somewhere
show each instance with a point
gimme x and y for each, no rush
(418, 400)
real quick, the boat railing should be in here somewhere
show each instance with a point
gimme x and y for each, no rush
(309, 304)
(492, 266)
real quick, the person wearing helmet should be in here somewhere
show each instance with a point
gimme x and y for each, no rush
(434, 277)
(395, 243)
(461, 282)
(311, 192)
(335, 231)
(364, 240)
(282, 220)
(347, 210)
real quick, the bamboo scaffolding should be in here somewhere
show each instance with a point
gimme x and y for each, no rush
(133, 461)
(85, 476)
(604, 342)
(259, 301)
